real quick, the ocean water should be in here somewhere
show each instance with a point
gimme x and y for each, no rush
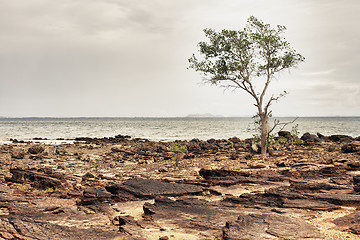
(162, 129)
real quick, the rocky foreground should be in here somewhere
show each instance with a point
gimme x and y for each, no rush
(123, 188)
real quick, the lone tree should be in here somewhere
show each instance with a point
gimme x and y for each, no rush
(236, 59)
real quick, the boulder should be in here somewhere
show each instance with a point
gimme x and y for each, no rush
(309, 138)
(95, 195)
(340, 138)
(36, 149)
(350, 148)
(17, 154)
(235, 139)
(285, 134)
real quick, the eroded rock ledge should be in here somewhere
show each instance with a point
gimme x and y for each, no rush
(123, 188)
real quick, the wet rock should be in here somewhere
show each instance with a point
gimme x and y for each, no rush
(36, 149)
(340, 138)
(38, 179)
(256, 226)
(349, 222)
(350, 148)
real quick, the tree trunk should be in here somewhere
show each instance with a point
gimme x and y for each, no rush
(264, 132)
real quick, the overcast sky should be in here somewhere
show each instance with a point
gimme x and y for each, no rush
(128, 58)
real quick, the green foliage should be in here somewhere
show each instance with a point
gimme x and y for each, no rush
(295, 130)
(238, 58)
(96, 165)
(179, 150)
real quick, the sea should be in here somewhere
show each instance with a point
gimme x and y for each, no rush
(60, 130)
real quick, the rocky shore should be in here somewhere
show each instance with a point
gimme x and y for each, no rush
(125, 188)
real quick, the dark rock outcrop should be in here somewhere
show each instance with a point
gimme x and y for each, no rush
(36, 149)
(285, 134)
(350, 148)
(309, 138)
(340, 138)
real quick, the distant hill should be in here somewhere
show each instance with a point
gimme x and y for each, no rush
(203, 115)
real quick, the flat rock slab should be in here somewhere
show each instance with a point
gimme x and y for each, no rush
(350, 222)
(149, 188)
(30, 229)
(204, 217)
(256, 226)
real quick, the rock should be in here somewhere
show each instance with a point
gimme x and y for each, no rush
(321, 136)
(338, 198)
(256, 226)
(210, 173)
(88, 176)
(18, 154)
(235, 139)
(23, 228)
(36, 149)
(60, 151)
(309, 204)
(194, 214)
(38, 180)
(95, 195)
(309, 138)
(285, 134)
(340, 138)
(350, 148)
(228, 177)
(149, 188)
(356, 180)
(349, 222)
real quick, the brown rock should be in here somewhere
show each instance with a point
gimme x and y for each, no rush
(256, 226)
(38, 179)
(36, 149)
(350, 148)
(18, 154)
(350, 222)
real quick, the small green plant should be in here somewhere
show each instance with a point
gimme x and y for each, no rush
(96, 165)
(179, 151)
(295, 131)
